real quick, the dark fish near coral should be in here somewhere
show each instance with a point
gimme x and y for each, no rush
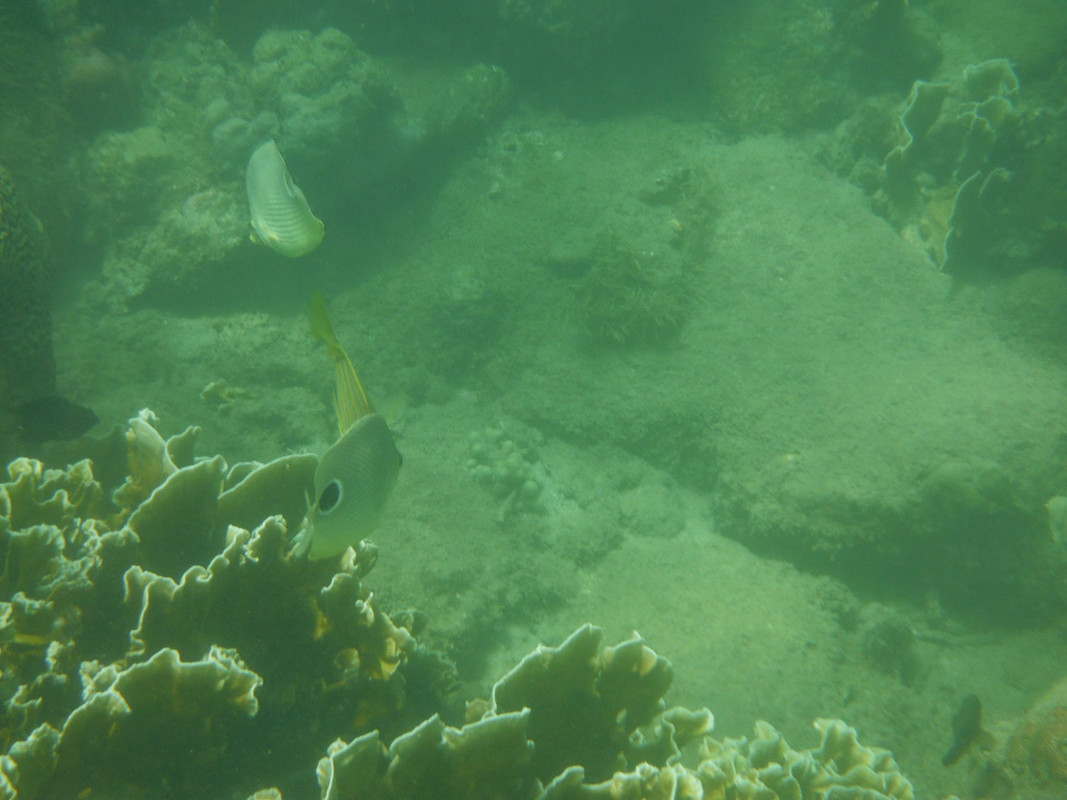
(27, 367)
(966, 729)
(52, 419)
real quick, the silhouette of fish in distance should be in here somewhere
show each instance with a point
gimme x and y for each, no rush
(52, 419)
(966, 730)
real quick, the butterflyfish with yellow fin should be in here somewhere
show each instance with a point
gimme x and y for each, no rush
(350, 401)
(279, 213)
(356, 475)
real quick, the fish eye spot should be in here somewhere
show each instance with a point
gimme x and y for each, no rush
(330, 496)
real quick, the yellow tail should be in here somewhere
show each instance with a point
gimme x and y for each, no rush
(349, 400)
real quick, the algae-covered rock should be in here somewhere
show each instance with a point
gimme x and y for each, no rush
(631, 296)
(130, 177)
(1033, 309)
(806, 65)
(312, 83)
(166, 199)
(1029, 761)
(633, 281)
(976, 507)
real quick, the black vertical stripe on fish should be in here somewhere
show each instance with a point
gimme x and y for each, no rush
(353, 482)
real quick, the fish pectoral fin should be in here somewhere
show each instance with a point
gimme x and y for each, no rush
(301, 544)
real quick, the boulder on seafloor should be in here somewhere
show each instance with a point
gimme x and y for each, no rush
(1029, 762)
(801, 65)
(167, 199)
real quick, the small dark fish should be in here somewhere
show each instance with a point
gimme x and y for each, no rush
(52, 418)
(966, 728)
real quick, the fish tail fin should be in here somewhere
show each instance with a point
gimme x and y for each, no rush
(349, 398)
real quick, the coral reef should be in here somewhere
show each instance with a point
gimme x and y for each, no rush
(824, 59)
(963, 181)
(143, 631)
(579, 722)
(839, 767)
(98, 86)
(885, 42)
(186, 633)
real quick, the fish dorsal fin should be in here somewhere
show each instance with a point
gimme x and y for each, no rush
(350, 401)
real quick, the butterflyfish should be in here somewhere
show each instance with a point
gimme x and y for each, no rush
(280, 215)
(355, 477)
